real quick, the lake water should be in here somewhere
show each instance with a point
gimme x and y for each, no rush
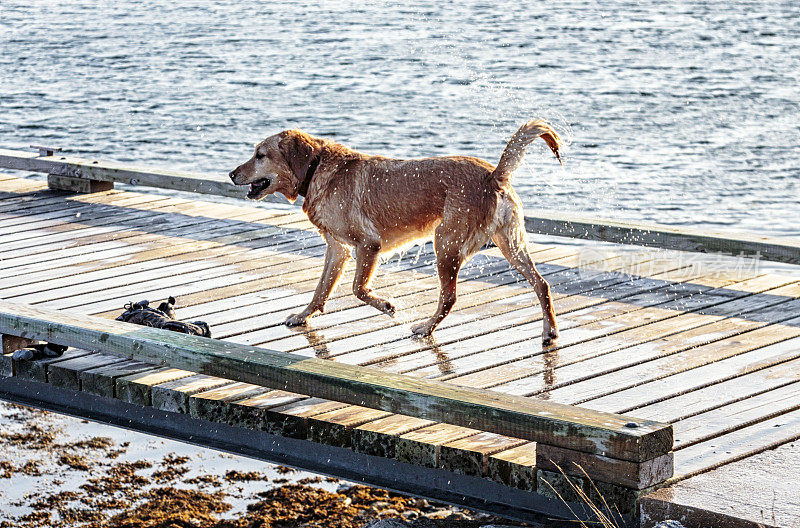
(677, 112)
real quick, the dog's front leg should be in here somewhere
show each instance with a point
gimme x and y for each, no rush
(366, 262)
(335, 258)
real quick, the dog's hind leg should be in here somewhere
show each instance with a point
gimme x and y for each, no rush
(366, 262)
(511, 240)
(448, 245)
(335, 258)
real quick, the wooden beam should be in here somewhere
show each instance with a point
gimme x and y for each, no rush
(109, 171)
(666, 237)
(614, 436)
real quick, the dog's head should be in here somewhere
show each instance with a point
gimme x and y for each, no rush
(280, 163)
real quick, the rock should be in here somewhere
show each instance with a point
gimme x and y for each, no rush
(389, 512)
(343, 487)
(379, 505)
(421, 504)
(386, 523)
(438, 514)
(669, 524)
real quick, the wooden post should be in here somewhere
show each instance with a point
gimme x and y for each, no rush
(78, 185)
(12, 343)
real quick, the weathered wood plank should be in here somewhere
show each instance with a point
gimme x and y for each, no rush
(135, 388)
(515, 467)
(470, 455)
(80, 185)
(37, 370)
(717, 393)
(737, 415)
(738, 444)
(422, 447)
(604, 469)
(682, 383)
(67, 374)
(117, 172)
(662, 236)
(102, 380)
(174, 395)
(616, 334)
(256, 413)
(334, 427)
(214, 405)
(379, 437)
(618, 388)
(11, 343)
(569, 427)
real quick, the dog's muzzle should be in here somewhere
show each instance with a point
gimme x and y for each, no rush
(257, 187)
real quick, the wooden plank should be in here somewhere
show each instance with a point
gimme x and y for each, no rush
(379, 437)
(485, 284)
(121, 225)
(335, 427)
(241, 260)
(470, 359)
(226, 233)
(453, 330)
(541, 421)
(680, 383)
(11, 343)
(662, 236)
(604, 469)
(67, 374)
(617, 334)
(37, 370)
(291, 419)
(118, 259)
(102, 380)
(606, 387)
(400, 285)
(174, 395)
(715, 394)
(135, 388)
(737, 415)
(422, 447)
(256, 413)
(80, 185)
(515, 467)
(470, 455)
(214, 405)
(737, 445)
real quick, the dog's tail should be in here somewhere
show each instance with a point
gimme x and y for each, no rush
(515, 150)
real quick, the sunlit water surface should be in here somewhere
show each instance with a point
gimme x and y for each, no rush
(678, 112)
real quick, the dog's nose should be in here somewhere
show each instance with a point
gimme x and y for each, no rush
(232, 174)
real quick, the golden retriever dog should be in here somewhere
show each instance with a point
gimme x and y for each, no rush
(372, 205)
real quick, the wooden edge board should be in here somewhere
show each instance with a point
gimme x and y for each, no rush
(785, 250)
(585, 430)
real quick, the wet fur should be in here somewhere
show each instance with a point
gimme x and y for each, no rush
(368, 205)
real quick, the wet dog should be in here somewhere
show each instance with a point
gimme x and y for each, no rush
(372, 205)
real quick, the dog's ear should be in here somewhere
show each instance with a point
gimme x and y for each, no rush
(298, 150)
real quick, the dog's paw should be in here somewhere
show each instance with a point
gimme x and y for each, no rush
(549, 337)
(387, 308)
(295, 320)
(422, 330)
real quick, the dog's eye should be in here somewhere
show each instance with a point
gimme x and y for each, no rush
(260, 155)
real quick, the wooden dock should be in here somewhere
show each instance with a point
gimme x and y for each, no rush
(714, 352)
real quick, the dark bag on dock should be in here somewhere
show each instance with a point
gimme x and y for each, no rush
(162, 317)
